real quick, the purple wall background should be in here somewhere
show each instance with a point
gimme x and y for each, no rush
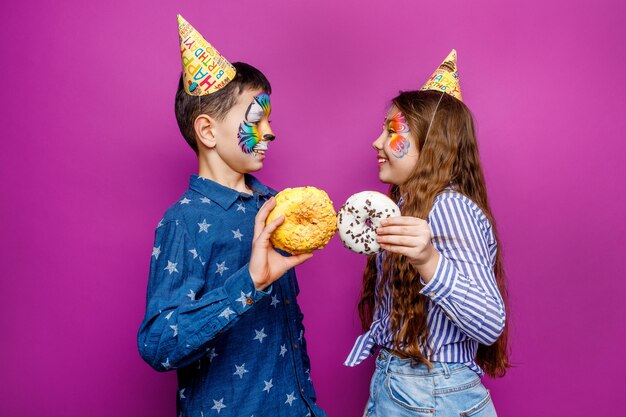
(92, 157)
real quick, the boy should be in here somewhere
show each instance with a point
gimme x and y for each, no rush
(221, 303)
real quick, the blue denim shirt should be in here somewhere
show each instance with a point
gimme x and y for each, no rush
(237, 351)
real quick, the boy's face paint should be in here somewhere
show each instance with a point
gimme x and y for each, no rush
(249, 136)
(397, 128)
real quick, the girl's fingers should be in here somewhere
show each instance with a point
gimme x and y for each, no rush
(400, 250)
(401, 221)
(399, 230)
(409, 241)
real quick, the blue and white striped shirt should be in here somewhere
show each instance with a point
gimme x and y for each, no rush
(465, 306)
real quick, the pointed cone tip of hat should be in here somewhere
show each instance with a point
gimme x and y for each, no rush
(446, 77)
(205, 70)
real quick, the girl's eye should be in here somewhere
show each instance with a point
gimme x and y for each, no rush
(390, 132)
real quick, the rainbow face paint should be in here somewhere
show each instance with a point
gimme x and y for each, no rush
(396, 128)
(249, 135)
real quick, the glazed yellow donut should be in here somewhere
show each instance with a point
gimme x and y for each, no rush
(310, 220)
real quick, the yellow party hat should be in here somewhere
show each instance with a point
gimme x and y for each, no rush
(446, 77)
(204, 70)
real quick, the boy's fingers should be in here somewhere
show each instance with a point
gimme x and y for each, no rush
(269, 229)
(261, 216)
(296, 260)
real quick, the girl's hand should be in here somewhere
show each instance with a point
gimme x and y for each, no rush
(411, 237)
(267, 265)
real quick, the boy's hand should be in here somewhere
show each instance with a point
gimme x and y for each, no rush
(267, 265)
(411, 237)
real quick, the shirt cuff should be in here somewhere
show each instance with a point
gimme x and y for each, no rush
(442, 282)
(241, 292)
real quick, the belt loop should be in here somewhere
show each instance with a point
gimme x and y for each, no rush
(389, 356)
(446, 370)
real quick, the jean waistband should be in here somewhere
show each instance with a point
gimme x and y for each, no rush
(389, 362)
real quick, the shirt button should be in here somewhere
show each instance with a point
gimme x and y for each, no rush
(295, 346)
(249, 301)
(431, 294)
(286, 301)
(301, 389)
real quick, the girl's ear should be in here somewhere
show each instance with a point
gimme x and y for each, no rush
(204, 127)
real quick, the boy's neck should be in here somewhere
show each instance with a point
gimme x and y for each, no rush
(223, 175)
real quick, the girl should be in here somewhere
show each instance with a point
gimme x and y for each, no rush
(433, 300)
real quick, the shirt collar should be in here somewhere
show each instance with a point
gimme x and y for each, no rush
(225, 196)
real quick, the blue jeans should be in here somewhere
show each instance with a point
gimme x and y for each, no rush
(448, 389)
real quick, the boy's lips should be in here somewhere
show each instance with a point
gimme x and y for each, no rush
(381, 160)
(260, 149)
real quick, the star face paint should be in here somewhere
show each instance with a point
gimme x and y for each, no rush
(249, 135)
(396, 127)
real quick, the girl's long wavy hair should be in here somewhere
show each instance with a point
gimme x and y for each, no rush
(448, 155)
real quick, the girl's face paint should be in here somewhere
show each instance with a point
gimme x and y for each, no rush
(249, 135)
(396, 128)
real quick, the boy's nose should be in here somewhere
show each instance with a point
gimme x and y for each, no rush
(266, 132)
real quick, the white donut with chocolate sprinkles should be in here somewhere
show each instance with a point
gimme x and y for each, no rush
(359, 218)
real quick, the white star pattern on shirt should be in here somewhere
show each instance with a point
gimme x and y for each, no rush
(308, 371)
(274, 301)
(260, 335)
(211, 354)
(166, 364)
(237, 234)
(241, 207)
(227, 312)
(221, 268)
(181, 393)
(156, 251)
(268, 386)
(194, 253)
(160, 223)
(169, 315)
(290, 398)
(283, 350)
(175, 328)
(171, 266)
(301, 334)
(205, 200)
(244, 298)
(240, 370)
(191, 295)
(185, 201)
(218, 405)
(204, 226)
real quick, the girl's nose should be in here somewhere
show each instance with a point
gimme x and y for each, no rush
(379, 142)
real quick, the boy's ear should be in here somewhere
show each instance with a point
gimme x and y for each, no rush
(204, 128)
